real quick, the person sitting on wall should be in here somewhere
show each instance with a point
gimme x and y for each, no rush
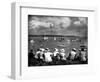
(72, 54)
(31, 58)
(55, 55)
(55, 52)
(42, 53)
(63, 55)
(37, 53)
(48, 56)
(83, 55)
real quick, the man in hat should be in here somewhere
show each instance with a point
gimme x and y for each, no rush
(72, 54)
(55, 52)
(83, 55)
(39, 54)
(55, 56)
(63, 55)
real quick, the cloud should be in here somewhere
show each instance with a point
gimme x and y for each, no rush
(77, 23)
(55, 22)
(66, 22)
(34, 24)
(81, 21)
(54, 25)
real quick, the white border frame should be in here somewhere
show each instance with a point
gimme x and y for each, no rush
(16, 65)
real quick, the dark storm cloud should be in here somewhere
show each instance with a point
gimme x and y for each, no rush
(51, 25)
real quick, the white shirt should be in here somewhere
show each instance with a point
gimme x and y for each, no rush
(63, 55)
(55, 53)
(72, 54)
(40, 53)
(83, 55)
(48, 57)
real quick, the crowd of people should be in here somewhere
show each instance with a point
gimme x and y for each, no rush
(44, 56)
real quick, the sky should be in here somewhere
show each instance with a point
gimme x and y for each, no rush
(57, 25)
